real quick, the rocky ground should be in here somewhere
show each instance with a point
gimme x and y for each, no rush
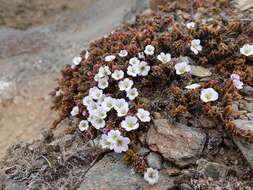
(187, 159)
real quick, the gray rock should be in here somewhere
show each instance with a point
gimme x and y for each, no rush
(211, 169)
(154, 160)
(246, 105)
(67, 140)
(200, 71)
(8, 184)
(177, 143)
(111, 173)
(246, 149)
(142, 151)
(248, 90)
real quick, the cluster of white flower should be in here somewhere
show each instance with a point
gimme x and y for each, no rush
(114, 141)
(236, 81)
(195, 46)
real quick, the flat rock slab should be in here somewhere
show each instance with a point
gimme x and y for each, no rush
(111, 173)
(246, 149)
(177, 143)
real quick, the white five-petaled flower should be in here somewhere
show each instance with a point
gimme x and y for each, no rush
(108, 103)
(132, 93)
(113, 135)
(130, 123)
(190, 25)
(105, 143)
(247, 50)
(75, 111)
(101, 113)
(97, 122)
(195, 46)
(236, 81)
(208, 95)
(121, 144)
(143, 115)
(134, 61)
(182, 67)
(110, 58)
(103, 83)
(125, 84)
(122, 111)
(77, 60)
(151, 176)
(104, 71)
(164, 58)
(144, 68)
(97, 77)
(92, 107)
(95, 93)
(238, 84)
(133, 70)
(235, 77)
(87, 100)
(120, 103)
(83, 125)
(118, 74)
(123, 53)
(193, 86)
(149, 50)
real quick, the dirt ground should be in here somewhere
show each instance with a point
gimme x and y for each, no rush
(24, 14)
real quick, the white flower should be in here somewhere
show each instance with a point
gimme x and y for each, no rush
(182, 67)
(238, 84)
(87, 54)
(97, 77)
(134, 61)
(104, 71)
(141, 55)
(235, 77)
(190, 25)
(122, 111)
(144, 68)
(143, 115)
(77, 60)
(126, 84)
(87, 100)
(130, 123)
(118, 74)
(120, 103)
(133, 70)
(121, 144)
(97, 122)
(103, 83)
(100, 113)
(192, 86)
(58, 92)
(123, 53)
(164, 58)
(75, 111)
(132, 93)
(100, 100)
(195, 46)
(208, 95)
(151, 176)
(105, 143)
(92, 108)
(247, 50)
(95, 93)
(109, 58)
(149, 50)
(83, 125)
(113, 135)
(108, 103)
